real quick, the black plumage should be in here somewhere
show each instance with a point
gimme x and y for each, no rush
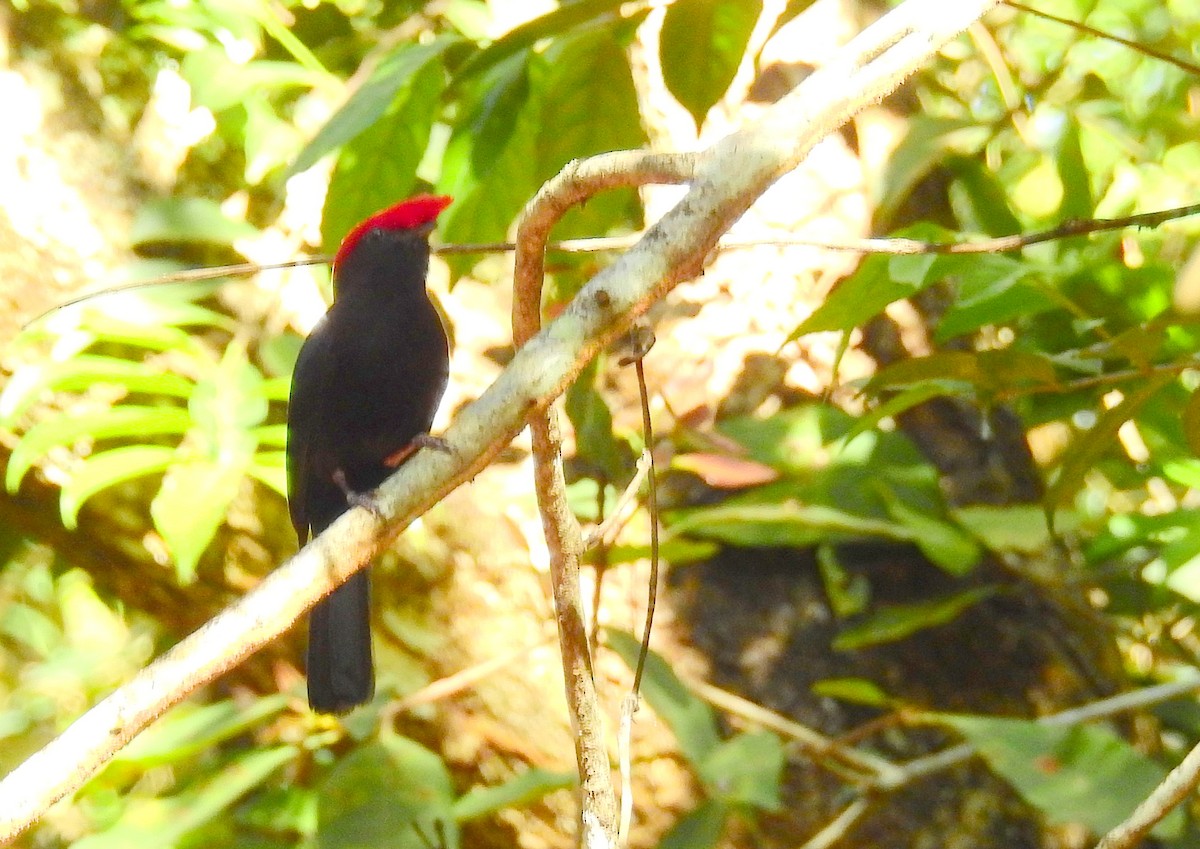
(368, 381)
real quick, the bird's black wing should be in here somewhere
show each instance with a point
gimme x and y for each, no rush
(311, 380)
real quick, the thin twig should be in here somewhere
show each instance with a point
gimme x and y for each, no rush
(887, 245)
(838, 826)
(1135, 46)
(652, 506)
(604, 533)
(629, 706)
(451, 685)
(862, 766)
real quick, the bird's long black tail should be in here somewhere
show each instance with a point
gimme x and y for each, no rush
(341, 674)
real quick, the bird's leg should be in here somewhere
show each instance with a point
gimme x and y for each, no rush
(365, 500)
(421, 440)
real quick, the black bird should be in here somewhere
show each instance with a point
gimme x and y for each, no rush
(367, 383)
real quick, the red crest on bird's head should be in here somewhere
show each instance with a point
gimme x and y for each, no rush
(406, 215)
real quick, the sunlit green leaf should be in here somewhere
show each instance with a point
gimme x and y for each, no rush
(781, 523)
(1014, 527)
(106, 469)
(126, 421)
(179, 219)
(83, 372)
(927, 143)
(190, 730)
(368, 104)
(701, 46)
(527, 786)
(270, 467)
(191, 505)
(378, 166)
(944, 543)
(164, 821)
(879, 281)
(565, 18)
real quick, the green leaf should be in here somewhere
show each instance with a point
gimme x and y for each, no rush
(700, 48)
(229, 403)
(522, 789)
(270, 436)
(368, 104)
(991, 372)
(592, 421)
(879, 281)
(791, 10)
(929, 142)
(527, 121)
(1087, 449)
(848, 594)
(992, 289)
(858, 691)
(167, 821)
(378, 166)
(85, 371)
(746, 770)
(899, 403)
(270, 467)
(1082, 774)
(186, 220)
(490, 164)
(191, 730)
(1018, 527)
(1077, 201)
(219, 83)
(191, 505)
(675, 551)
(163, 305)
(126, 421)
(568, 17)
(105, 327)
(896, 622)
(109, 468)
(690, 719)
(1191, 422)
(573, 127)
(393, 792)
(700, 828)
(786, 523)
(979, 199)
(940, 540)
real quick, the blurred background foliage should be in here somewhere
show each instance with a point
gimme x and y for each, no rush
(269, 127)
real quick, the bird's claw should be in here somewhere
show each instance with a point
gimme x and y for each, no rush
(365, 500)
(421, 440)
(436, 443)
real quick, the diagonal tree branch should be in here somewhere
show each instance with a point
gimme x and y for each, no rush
(729, 177)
